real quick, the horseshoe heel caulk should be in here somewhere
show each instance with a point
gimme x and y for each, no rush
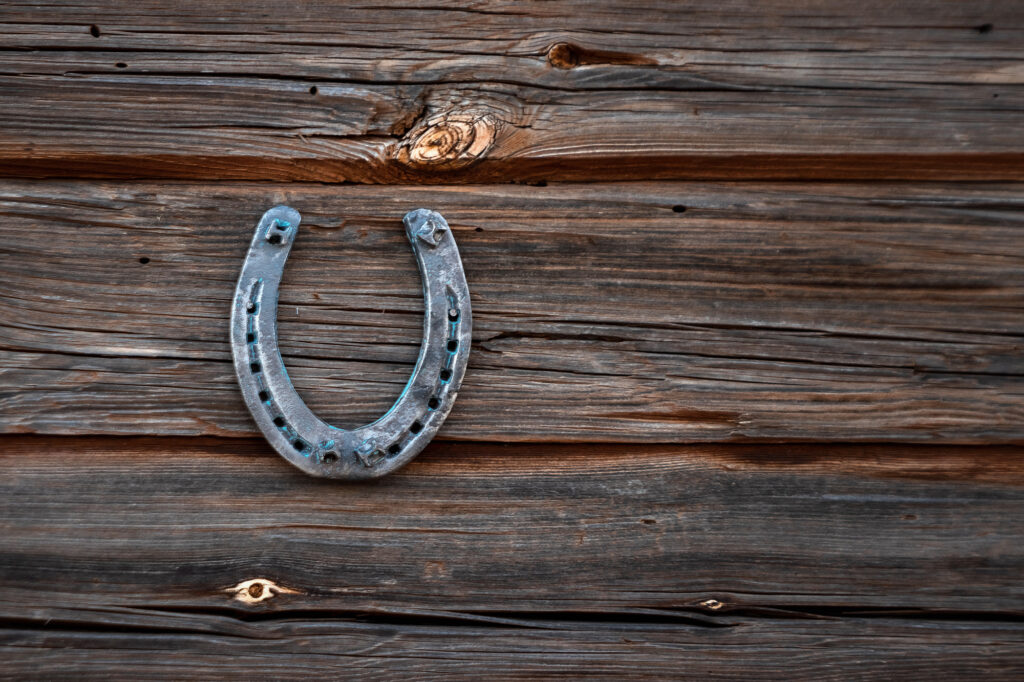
(290, 427)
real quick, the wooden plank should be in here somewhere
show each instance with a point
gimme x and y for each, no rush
(768, 312)
(561, 91)
(162, 647)
(121, 530)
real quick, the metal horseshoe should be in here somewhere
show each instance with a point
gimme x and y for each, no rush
(290, 427)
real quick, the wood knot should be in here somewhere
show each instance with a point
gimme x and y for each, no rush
(257, 590)
(564, 56)
(569, 56)
(450, 140)
(712, 604)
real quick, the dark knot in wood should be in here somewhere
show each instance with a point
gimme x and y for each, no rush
(569, 56)
(449, 141)
(564, 55)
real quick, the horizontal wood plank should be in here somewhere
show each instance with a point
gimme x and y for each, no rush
(601, 312)
(162, 646)
(117, 528)
(770, 312)
(393, 93)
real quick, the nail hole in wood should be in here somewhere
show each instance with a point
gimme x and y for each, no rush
(143, 260)
(95, 31)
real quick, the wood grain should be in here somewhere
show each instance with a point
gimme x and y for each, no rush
(164, 646)
(125, 523)
(820, 561)
(393, 93)
(857, 312)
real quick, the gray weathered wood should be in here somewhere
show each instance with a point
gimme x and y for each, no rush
(825, 312)
(569, 90)
(111, 527)
(164, 645)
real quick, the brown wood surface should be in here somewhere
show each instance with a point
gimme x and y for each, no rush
(581, 90)
(769, 312)
(168, 645)
(766, 430)
(608, 559)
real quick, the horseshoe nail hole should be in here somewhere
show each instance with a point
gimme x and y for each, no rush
(452, 345)
(313, 90)
(299, 445)
(279, 421)
(330, 456)
(251, 308)
(679, 208)
(416, 427)
(121, 65)
(143, 260)
(264, 396)
(433, 403)
(394, 448)
(255, 367)
(274, 239)
(446, 374)
(250, 337)
(95, 31)
(453, 314)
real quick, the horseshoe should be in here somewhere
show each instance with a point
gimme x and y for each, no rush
(288, 424)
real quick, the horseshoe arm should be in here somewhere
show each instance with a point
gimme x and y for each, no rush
(290, 427)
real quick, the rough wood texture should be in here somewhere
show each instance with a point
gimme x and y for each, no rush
(165, 646)
(825, 312)
(498, 91)
(507, 528)
(666, 310)
(527, 558)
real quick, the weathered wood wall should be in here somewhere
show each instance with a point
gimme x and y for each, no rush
(735, 406)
